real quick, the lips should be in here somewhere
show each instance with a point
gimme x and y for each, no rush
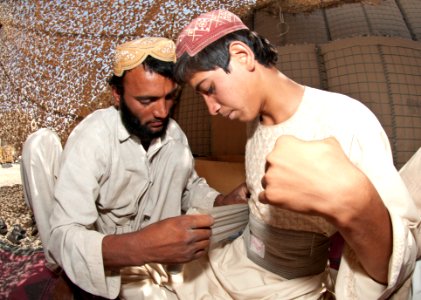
(225, 114)
(156, 124)
(230, 114)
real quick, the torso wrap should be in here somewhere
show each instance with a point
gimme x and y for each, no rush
(288, 253)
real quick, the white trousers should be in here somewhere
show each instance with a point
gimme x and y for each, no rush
(41, 154)
(40, 164)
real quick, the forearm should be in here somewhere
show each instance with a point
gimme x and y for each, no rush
(368, 232)
(219, 200)
(122, 250)
(173, 240)
(238, 195)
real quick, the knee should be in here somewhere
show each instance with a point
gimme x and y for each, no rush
(40, 139)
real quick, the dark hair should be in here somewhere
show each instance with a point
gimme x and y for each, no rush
(217, 54)
(152, 64)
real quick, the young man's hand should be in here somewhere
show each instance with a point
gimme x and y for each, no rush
(312, 177)
(239, 195)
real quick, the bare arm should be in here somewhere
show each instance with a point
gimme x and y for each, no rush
(317, 178)
(174, 240)
(238, 195)
(365, 224)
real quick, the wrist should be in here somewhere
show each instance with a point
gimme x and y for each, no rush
(122, 250)
(219, 200)
(354, 197)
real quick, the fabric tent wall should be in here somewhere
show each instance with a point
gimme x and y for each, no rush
(399, 18)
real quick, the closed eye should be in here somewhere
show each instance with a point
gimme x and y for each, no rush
(146, 100)
(209, 91)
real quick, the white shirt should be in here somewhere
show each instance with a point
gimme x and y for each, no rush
(108, 184)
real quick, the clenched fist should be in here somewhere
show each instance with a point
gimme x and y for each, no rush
(312, 177)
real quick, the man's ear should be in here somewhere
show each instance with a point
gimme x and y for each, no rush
(116, 96)
(242, 53)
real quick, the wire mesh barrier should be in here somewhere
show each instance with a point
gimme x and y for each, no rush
(383, 73)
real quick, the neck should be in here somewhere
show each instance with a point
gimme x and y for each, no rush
(145, 144)
(281, 102)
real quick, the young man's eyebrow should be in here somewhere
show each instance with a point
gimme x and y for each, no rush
(197, 86)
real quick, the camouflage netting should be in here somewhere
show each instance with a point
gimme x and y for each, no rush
(55, 56)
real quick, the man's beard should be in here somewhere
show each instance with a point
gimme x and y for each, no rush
(134, 126)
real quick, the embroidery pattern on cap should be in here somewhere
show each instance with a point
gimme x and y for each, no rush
(206, 29)
(131, 54)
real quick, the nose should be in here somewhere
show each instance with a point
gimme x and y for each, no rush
(161, 108)
(213, 106)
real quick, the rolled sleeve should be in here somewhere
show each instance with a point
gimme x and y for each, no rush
(402, 261)
(354, 283)
(83, 262)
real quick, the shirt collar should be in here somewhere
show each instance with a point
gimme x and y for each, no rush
(124, 135)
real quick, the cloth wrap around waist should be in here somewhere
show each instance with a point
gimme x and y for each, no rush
(229, 221)
(288, 253)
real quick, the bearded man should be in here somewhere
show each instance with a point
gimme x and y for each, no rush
(110, 206)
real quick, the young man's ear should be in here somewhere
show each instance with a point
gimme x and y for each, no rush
(116, 96)
(242, 53)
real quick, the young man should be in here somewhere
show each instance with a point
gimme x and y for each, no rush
(125, 177)
(329, 168)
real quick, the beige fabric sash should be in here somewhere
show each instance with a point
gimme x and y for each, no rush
(229, 221)
(288, 253)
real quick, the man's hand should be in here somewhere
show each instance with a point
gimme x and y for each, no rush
(317, 178)
(174, 240)
(309, 177)
(238, 195)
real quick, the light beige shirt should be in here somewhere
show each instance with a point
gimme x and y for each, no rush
(229, 274)
(321, 115)
(108, 184)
